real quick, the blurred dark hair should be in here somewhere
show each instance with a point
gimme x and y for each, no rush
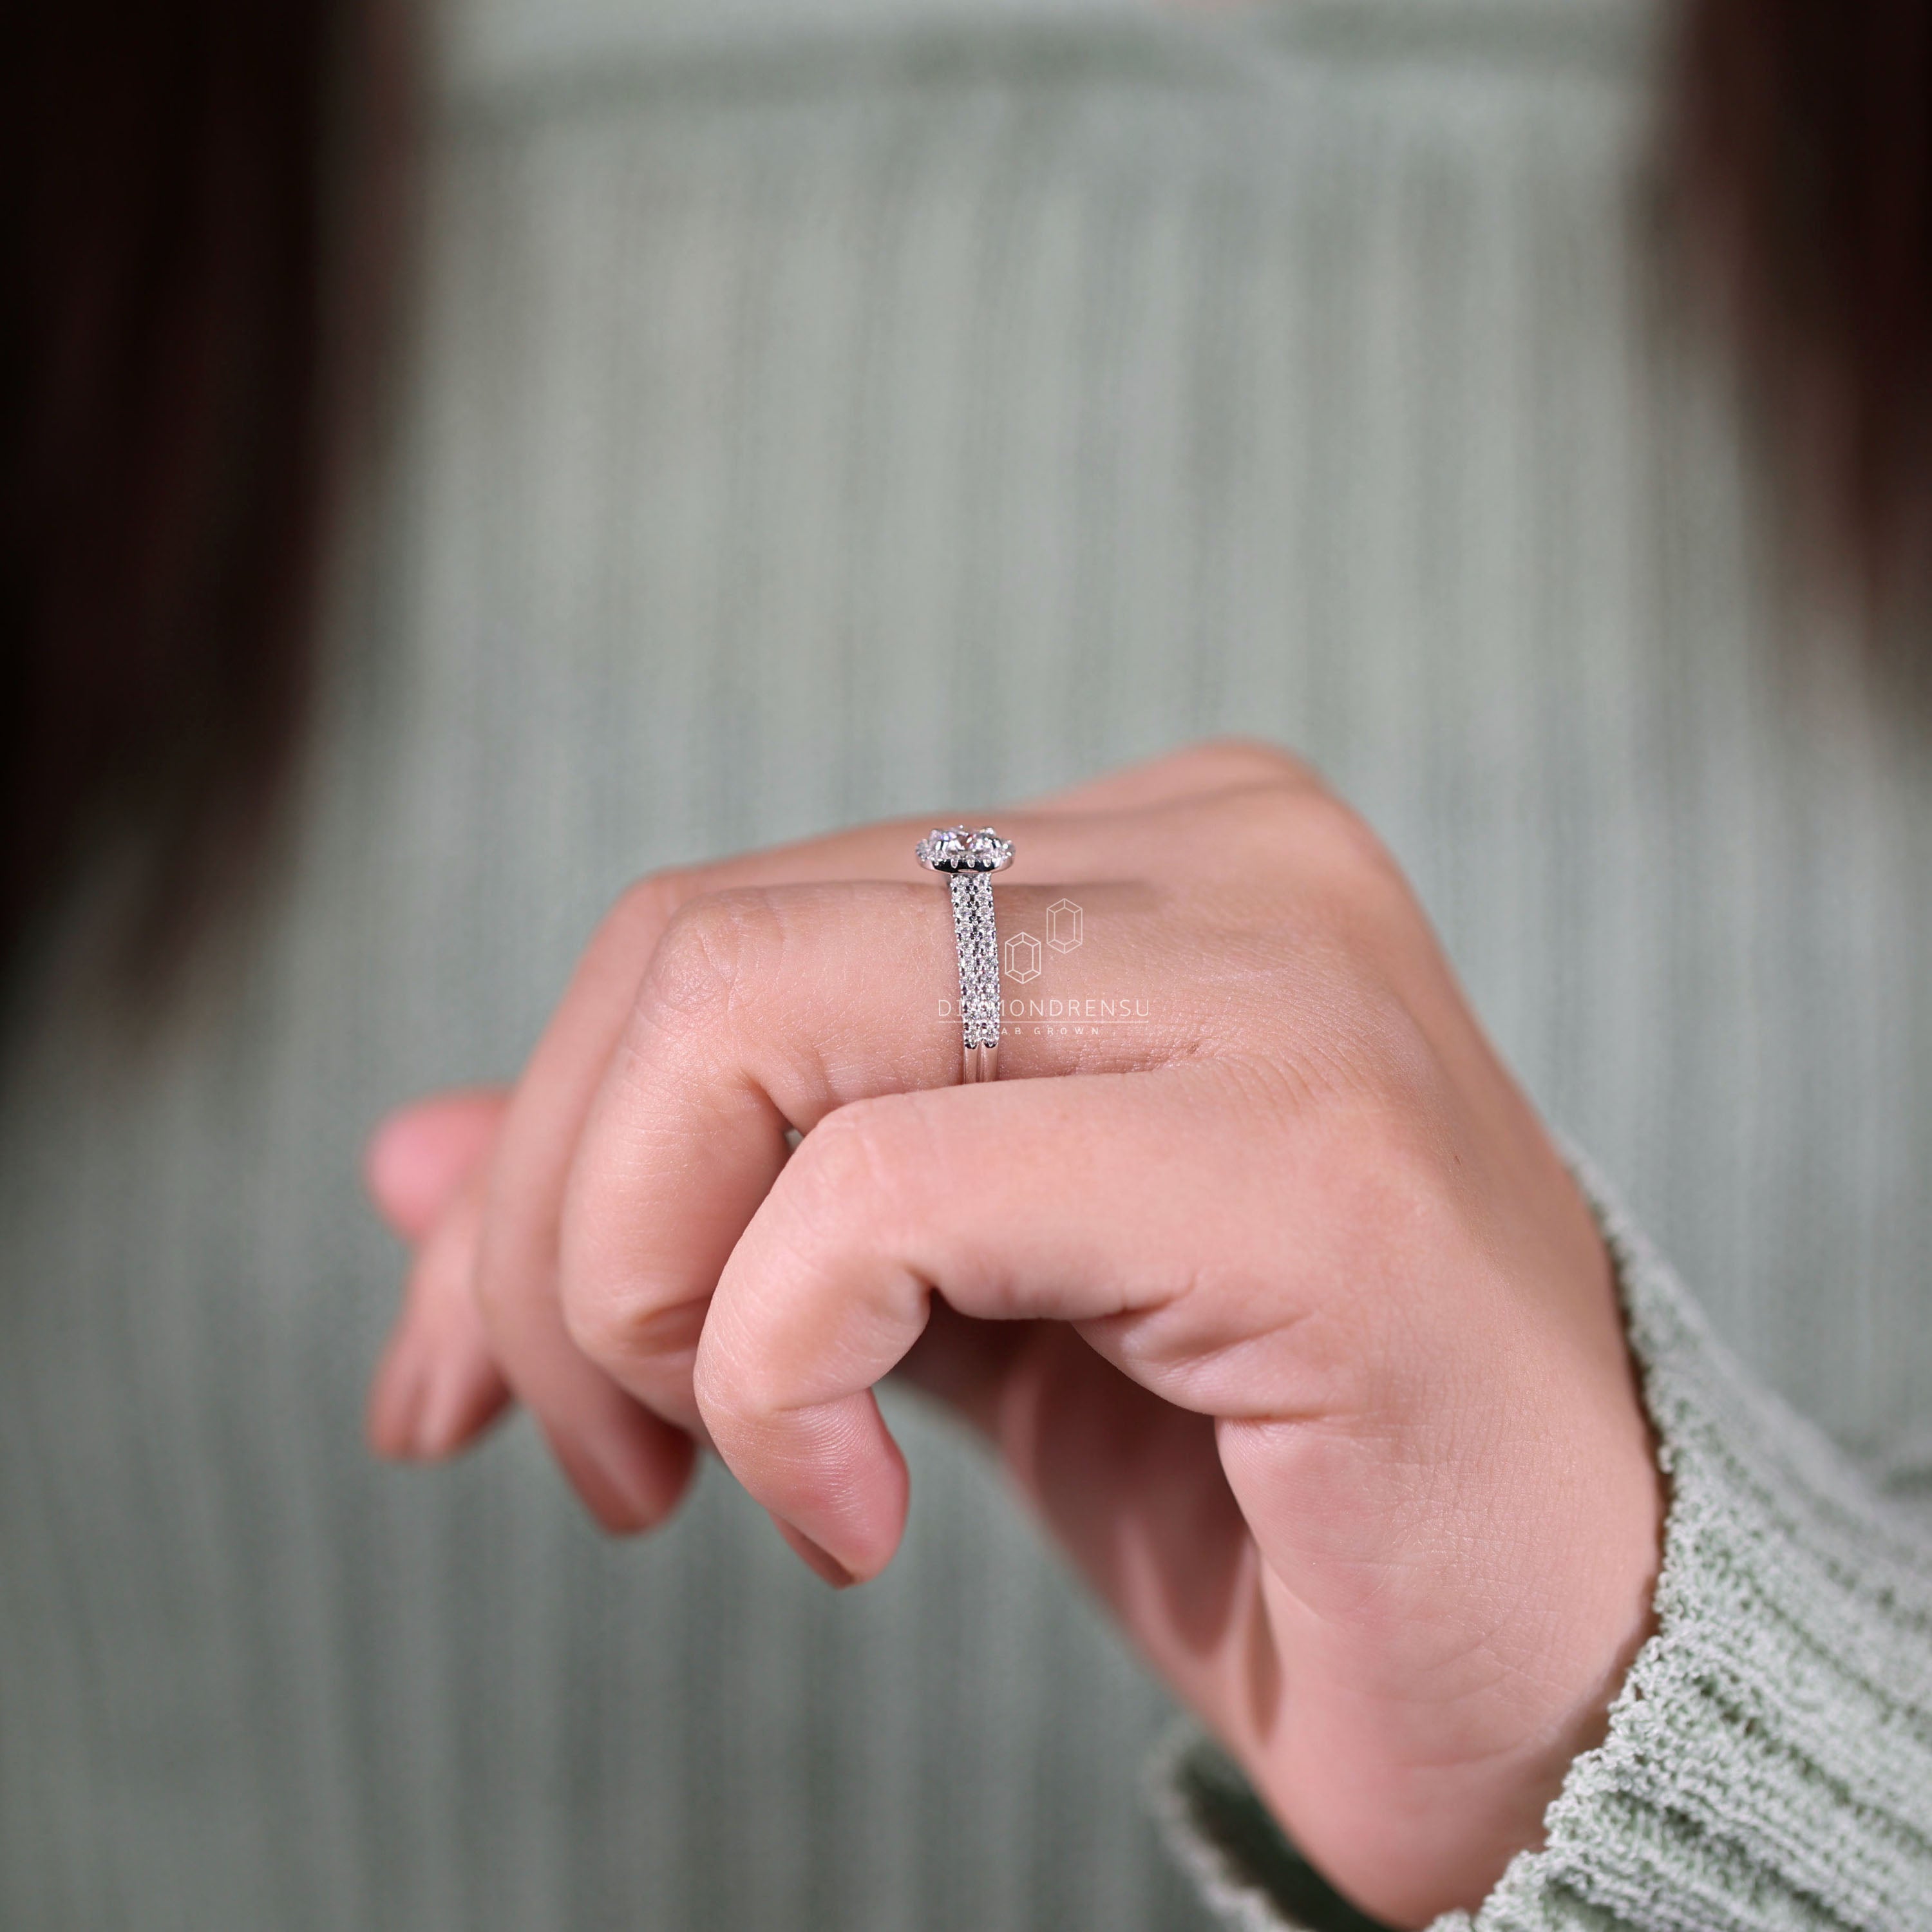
(1800, 154)
(192, 241)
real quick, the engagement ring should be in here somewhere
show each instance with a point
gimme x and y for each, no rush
(970, 858)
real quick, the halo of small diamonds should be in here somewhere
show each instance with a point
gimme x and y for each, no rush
(953, 848)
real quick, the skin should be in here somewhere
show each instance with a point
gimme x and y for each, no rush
(1275, 1299)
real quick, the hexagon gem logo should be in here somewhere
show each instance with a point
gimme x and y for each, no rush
(1023, 957)
(1066, 925)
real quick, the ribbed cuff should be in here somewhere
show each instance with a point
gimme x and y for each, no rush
(1768, 1761)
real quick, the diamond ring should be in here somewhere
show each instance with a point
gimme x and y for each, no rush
(970, 858)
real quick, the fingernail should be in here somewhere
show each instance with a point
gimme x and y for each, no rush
(818, 1559)
(440, 1412)
(608, 1489)
(397, 1405)
(637, 1486)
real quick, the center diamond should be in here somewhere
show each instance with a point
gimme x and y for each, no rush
(954, 849)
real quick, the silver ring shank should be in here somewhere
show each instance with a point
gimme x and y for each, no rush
(974, 928)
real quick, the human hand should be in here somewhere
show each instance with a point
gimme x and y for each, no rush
(1277, 1302)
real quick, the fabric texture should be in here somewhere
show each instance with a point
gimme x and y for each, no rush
(1769, 1763)
(1300, 372)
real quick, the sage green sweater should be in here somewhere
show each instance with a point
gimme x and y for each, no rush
(781, 369)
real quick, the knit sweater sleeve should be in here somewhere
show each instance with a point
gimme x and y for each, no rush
(1769, 1761)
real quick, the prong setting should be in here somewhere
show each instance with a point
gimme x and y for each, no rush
(953, 848)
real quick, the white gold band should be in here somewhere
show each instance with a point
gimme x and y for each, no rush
(978, 933)
(970, 858)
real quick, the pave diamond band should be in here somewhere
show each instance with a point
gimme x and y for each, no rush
(979, 939)
(970, 858)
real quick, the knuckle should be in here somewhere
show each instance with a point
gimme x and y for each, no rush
(1328, 847)
(716, 951)
(1236, 759)
(1334, 830)
(1311, 824)
(1270, 816)
(1342, 840)
(1398, 1098)
(650, 904)
(627, 933)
